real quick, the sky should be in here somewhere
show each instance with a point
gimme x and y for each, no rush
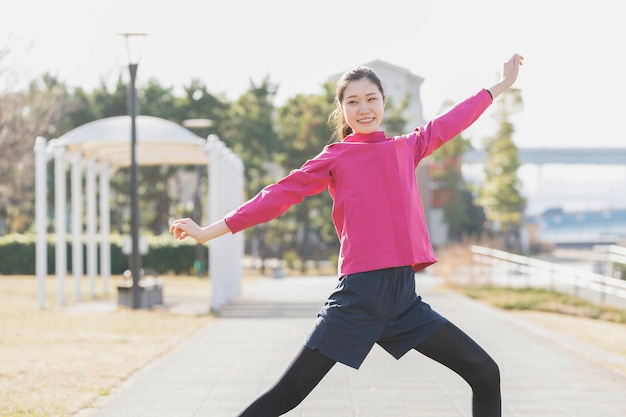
(572, 81)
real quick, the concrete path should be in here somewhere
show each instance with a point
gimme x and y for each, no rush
(236, 357)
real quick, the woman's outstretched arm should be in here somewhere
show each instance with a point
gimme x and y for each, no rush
(182, 228)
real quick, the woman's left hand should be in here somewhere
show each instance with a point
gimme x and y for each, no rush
(510, 69)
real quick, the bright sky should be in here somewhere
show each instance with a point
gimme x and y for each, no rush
(572, 83)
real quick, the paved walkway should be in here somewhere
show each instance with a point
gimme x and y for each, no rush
(235, 358)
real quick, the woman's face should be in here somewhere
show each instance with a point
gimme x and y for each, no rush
(363, 106)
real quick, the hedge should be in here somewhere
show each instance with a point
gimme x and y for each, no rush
(165, 255)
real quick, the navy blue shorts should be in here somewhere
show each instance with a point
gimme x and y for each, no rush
(373, 307)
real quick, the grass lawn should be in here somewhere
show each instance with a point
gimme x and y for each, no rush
(55, 361)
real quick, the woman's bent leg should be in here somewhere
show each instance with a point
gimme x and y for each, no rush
(303, 374)
(451, 347)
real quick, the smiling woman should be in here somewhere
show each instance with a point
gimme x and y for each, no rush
(381, 226)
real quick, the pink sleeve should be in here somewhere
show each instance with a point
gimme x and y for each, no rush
(445, 127)
(275, 199)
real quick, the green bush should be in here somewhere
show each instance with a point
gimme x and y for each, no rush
(165, 254)
(17, 255)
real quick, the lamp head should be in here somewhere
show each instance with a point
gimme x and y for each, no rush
(134, 46)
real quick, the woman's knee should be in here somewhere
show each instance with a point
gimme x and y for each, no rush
(485, 374)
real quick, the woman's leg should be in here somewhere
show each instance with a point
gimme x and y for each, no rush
(303, 374)
(451, 347)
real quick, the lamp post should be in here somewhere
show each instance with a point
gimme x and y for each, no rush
(135, 256)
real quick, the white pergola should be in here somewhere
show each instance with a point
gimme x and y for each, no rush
(95, 151)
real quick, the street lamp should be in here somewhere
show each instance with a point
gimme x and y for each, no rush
(135, 257)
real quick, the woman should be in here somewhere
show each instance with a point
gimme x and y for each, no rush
(384, 240)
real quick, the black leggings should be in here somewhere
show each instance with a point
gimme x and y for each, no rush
(449, 346)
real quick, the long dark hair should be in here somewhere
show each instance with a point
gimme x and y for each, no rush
(336, 120)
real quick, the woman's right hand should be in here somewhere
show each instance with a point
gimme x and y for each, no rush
(183, 228)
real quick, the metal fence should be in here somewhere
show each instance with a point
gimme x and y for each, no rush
(496, 267)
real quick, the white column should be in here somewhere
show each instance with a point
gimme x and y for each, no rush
(77, 223)
(60, 207)
(105, 229)
(238, 199)
(216, 251)
(228, 202)
(226, 243)
(225, 193)
(41, 206)
(92, 261)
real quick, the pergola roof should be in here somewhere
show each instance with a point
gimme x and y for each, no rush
(159, 142)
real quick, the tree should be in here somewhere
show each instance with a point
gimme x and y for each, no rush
(464, 218)
(196, 103)
(24, 116)
(500, 194)
(248, 129)
(303, 131)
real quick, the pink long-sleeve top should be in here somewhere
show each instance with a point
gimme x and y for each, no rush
(377, 210)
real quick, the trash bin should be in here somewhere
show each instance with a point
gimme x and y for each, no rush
(278, 272)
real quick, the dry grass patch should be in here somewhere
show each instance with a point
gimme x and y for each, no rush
(55, 361)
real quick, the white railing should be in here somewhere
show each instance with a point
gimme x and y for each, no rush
(605, 256)
(508, 269)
